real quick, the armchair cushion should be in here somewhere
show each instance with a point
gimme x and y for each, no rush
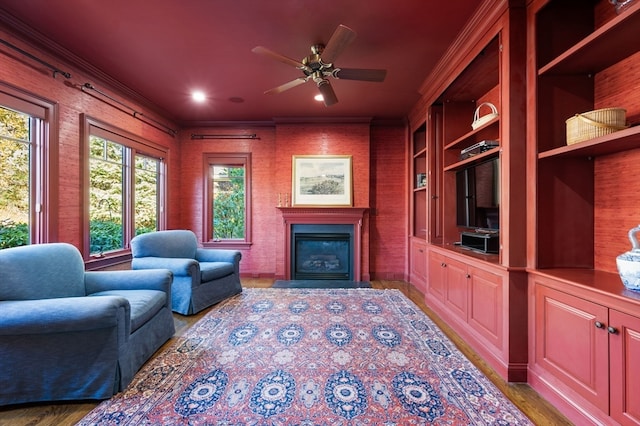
(213, 270)
(144, 304)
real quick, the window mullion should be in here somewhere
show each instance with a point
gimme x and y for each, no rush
(128, 194)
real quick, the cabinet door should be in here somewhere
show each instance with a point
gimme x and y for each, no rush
(419, 263)
(436, 284)
(456, 295)
(625, 368)
(572, 343)
(485, 305)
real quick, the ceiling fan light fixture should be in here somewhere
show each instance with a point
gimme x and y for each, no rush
(319, 97)
(318, 66)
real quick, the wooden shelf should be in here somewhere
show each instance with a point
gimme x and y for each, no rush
(472, 160)
(619, 141)
(609, 44)
(421, 153)
(490, 258)
(603, 282)
(470, 136)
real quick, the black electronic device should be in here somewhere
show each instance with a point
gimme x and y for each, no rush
(481, 241)
(478, 195)
(478, 148)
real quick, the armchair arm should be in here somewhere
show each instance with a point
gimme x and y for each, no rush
(65, 314)
(218, 255)
(177, 265)
(148, 279)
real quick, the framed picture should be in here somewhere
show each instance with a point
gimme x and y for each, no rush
(321, 180)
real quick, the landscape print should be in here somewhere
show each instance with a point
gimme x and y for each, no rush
(322, 180)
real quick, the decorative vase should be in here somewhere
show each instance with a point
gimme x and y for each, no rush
(621, 5)
(629, 263)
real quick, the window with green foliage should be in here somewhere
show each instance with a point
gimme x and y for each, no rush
(24, 210)
(125, 188)
(228, 201)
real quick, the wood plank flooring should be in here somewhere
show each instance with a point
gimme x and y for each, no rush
(535, 407)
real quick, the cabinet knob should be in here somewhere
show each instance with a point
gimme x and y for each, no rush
(612, 330)
(444, 265)
(599, 324)
(468, 276)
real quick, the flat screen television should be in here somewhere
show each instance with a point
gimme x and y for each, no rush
(478, 196)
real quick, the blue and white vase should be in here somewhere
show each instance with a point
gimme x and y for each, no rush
(629, 263)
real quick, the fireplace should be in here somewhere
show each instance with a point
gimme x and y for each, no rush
(327, 220)
(322, 252)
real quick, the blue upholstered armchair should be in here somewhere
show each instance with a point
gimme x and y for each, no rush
(201, 277)
(67, 334)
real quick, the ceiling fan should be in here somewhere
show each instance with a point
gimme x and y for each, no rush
(319, 66)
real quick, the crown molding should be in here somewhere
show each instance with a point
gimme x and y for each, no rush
(474, 31)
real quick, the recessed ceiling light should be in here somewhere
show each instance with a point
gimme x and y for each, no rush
(318, 98)
(198, 96)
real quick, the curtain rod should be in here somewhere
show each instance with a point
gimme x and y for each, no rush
(223, 136)
(136, 114)
(35, 58)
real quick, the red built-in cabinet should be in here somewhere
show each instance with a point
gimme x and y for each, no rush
(585, 349)
(482, 296)
(582, 199)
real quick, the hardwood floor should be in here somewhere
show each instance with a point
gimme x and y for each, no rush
(536, 408)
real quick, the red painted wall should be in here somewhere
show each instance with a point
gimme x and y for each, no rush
(379, 166)
(29, 76)
(323, 139)
(389, 212)
(258, 260)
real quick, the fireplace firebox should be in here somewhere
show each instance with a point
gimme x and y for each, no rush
(322, 252)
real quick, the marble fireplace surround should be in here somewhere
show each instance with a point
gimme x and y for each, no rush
(324, 216)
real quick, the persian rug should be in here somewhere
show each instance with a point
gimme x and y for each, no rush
(320, 284)
(310, 357)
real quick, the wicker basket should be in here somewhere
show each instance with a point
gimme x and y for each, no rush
(593, 124)
(479, 120)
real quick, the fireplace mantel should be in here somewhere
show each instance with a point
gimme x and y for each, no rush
(324, 215)
(318, 214)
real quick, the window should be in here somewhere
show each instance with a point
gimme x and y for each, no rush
(125, 187)
(25, 151)
(228, 201)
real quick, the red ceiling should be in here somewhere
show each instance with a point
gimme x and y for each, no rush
(164, 49)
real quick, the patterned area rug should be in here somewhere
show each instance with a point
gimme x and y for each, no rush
(320, 284)
(310, 357)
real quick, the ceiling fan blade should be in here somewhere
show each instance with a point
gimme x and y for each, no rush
(340, 39)
(328, 95)
(278, 57)
(286, 86)
(360, 74)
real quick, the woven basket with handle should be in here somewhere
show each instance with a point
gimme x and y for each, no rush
(593, 124)
(479, 120)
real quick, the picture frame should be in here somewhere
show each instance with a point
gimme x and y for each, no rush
(321, 180)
